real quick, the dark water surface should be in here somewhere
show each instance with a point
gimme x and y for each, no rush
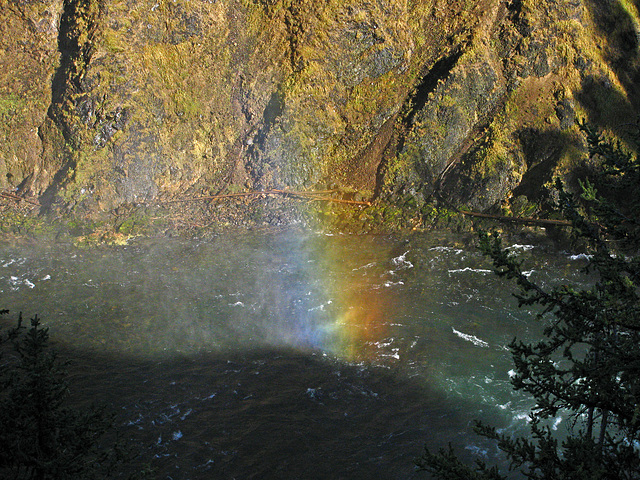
(286, 355)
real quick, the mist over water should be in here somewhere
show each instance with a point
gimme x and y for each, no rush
(289, 354)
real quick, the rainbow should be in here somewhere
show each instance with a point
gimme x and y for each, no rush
(345, 311)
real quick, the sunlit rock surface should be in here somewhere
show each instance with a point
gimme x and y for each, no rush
(109, 103)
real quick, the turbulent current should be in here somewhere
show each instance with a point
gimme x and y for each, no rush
(286, 355)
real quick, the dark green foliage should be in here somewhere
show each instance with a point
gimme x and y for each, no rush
(613, 198)
(40, 437)
(587, 365)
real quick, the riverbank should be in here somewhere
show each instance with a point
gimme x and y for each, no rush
(330, 211)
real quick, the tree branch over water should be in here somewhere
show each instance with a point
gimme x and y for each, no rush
(587, 365)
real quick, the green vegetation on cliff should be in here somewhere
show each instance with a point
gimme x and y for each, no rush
(108, 104)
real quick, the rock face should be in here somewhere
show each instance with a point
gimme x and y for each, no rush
(107, 103)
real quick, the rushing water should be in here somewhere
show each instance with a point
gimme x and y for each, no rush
(286, 355)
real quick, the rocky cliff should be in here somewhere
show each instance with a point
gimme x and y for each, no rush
(109, 104)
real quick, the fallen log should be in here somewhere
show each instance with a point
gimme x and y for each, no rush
(18, 198)
(523, 220)
(312, 196)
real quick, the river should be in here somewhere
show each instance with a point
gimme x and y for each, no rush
(286, 355)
